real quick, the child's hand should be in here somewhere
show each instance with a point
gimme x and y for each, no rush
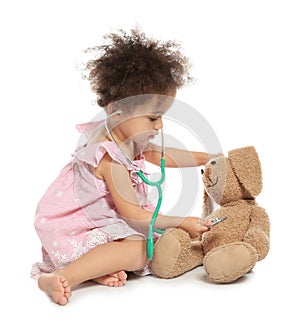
(209, 157)
(195, 226)
(213, 156)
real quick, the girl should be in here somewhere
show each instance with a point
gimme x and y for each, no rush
(93, 219)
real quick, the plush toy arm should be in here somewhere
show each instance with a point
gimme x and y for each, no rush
(258, 233)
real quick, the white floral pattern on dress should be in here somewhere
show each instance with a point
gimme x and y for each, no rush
(61, 258)
(78, 249)
(43, 220)
(77, 212)
(95, 237)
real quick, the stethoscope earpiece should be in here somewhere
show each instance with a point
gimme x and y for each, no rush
(118, 112)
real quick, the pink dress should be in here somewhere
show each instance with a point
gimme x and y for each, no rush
(77, 212)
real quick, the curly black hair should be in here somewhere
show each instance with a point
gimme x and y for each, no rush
(132, 64)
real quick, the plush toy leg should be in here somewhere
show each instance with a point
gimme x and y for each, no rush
(259, 240)
(229, 262)
(174, 254)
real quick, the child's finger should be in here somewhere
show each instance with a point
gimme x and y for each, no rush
(207, 224)
(204, 228)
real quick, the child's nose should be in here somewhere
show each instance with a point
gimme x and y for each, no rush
(158, 123)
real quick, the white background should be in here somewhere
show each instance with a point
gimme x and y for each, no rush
(246, 61)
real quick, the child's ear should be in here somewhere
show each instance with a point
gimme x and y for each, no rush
(109, 108)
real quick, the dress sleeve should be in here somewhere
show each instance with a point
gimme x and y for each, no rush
(88, 129)
(92, 154)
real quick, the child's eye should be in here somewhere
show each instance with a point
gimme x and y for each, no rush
(154, 118)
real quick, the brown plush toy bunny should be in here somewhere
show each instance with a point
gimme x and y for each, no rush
(233, 246)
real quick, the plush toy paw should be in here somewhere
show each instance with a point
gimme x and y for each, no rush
(175, 255)
(229, 262)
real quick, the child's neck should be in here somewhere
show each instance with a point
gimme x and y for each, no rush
(128, 146)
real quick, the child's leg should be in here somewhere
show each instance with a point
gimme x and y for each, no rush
(128, 254)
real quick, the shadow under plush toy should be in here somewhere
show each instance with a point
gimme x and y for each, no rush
(232, 247)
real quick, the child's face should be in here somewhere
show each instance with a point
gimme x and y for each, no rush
(143, 123)
(141, 129)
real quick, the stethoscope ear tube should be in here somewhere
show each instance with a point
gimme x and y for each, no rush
(157, 184)
(150, 242)
(151, 228)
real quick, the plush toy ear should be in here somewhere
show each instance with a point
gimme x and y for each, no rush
(247, 168)
(207, 205)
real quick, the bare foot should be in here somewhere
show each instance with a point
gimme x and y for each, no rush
(117, 279)
(56, 286)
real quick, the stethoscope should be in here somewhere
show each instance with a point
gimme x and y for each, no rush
(157, 184)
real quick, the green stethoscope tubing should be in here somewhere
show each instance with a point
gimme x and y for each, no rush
(157, 184)
(151, 228)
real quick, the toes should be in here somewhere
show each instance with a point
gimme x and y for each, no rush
(116, 279)
(67, 294)
(65, 283)
(62, 301)
(57, 287)
(59, 298)
(115, 283)
(111, 279)
(67, 288)
(120, 283)
(122, 276)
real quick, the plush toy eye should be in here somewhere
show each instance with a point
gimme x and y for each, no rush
(202, 171)
(213, 162)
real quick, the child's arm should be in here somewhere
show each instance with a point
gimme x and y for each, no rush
(175, 158)
(124, 197)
